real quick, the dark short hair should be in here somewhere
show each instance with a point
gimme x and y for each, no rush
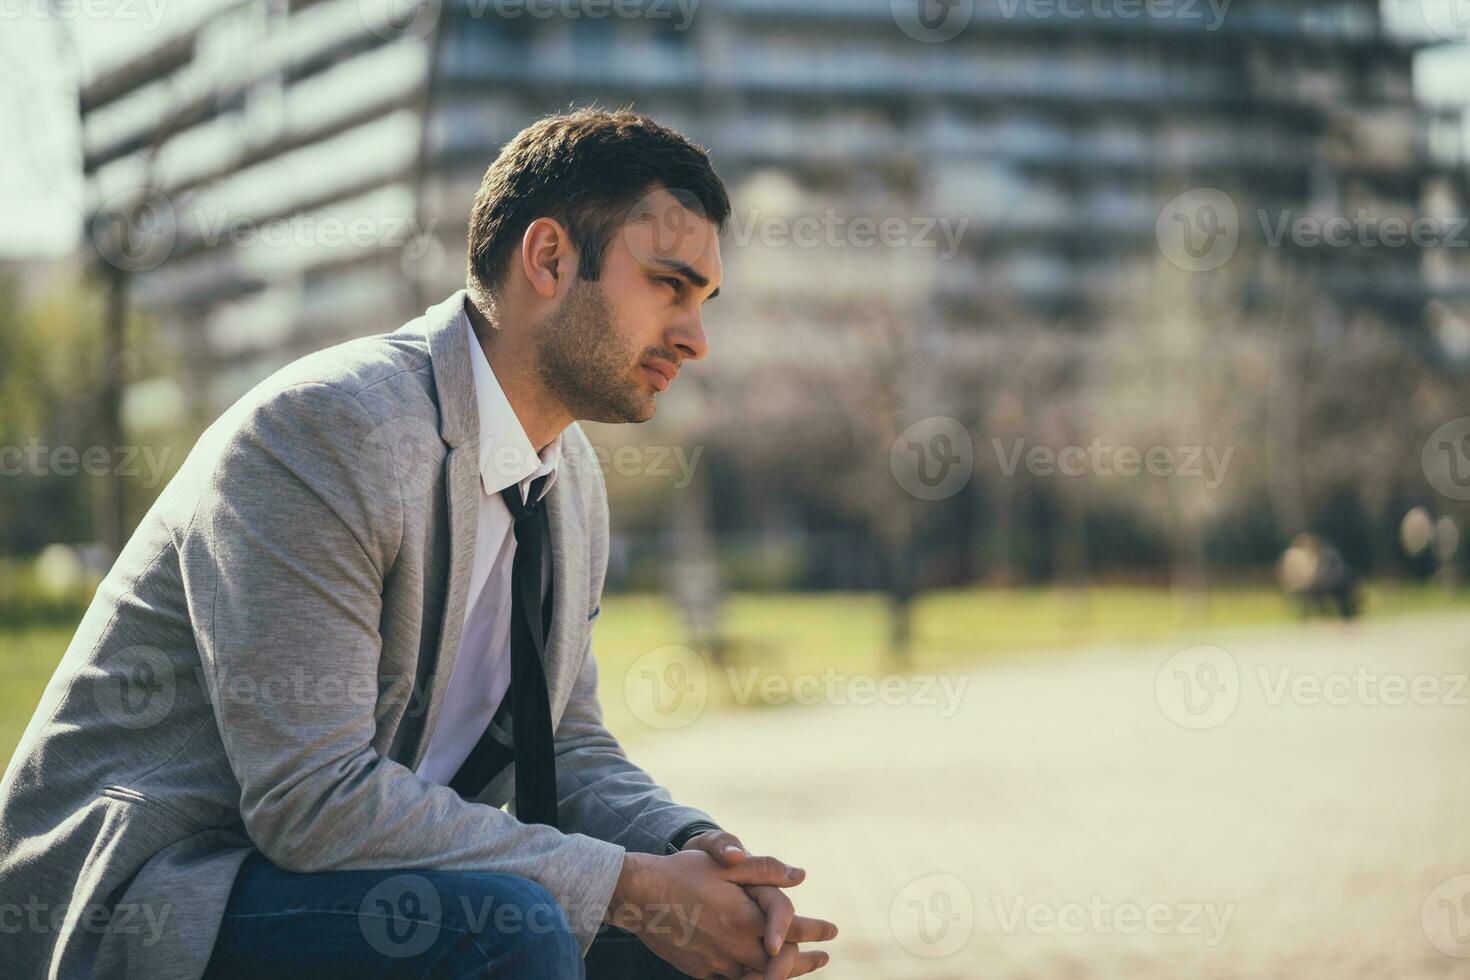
(586, 168)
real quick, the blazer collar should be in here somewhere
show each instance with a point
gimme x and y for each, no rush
(449, 353)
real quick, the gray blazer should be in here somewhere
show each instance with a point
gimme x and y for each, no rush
(264, 665)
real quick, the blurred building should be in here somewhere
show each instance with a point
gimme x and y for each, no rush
(295, 172)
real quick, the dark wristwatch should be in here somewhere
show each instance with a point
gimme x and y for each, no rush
(689, 832)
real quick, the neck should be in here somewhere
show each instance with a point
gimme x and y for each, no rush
(512, 357)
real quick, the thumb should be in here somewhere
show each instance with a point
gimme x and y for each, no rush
(724, 847)
(721, 845)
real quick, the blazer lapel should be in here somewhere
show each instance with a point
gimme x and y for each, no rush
(563, 655)
(459, 426)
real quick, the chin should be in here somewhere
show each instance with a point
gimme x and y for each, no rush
(636, 408)
(642, 402)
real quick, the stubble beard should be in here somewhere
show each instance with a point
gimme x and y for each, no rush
(582, 359)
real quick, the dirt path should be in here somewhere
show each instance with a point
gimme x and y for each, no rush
(1125, 814)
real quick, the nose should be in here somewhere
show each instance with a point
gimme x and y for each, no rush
(689, 339)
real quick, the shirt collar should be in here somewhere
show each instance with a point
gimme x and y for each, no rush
(506, 453)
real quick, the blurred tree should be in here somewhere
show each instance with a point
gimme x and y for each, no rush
(51, 363)
(48, 363)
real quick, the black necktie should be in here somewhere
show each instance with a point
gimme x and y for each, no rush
(530, 705)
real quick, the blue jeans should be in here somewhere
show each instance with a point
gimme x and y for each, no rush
(409, 924)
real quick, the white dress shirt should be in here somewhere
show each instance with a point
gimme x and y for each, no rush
(481, 674)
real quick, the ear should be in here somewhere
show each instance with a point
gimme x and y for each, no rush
(548, 259)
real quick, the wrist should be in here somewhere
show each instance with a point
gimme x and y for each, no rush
(627, 896)
(688, 832)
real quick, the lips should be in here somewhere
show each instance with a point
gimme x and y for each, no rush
(662, 373)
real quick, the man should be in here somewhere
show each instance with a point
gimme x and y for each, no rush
(357, 623)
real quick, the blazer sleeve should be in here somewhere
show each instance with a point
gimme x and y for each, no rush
(601, 792)
(285, 559)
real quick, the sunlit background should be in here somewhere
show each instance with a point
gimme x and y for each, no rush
(1059, 554)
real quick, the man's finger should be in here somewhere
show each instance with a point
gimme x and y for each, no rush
(792, 962)
(782, 963)
(779, 914)
(733, 971)
(808, 961)
(808, 930)
(764, 871)
(721, 845)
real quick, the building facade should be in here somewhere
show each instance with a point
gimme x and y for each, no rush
(290, 173)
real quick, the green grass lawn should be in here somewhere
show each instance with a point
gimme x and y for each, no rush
(809, 633)
(28, 655)
(794, 634)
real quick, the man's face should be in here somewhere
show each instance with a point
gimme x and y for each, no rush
(611, 346)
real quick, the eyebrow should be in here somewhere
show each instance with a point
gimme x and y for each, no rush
(688, 272)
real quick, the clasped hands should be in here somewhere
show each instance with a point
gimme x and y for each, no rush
(717, 913)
